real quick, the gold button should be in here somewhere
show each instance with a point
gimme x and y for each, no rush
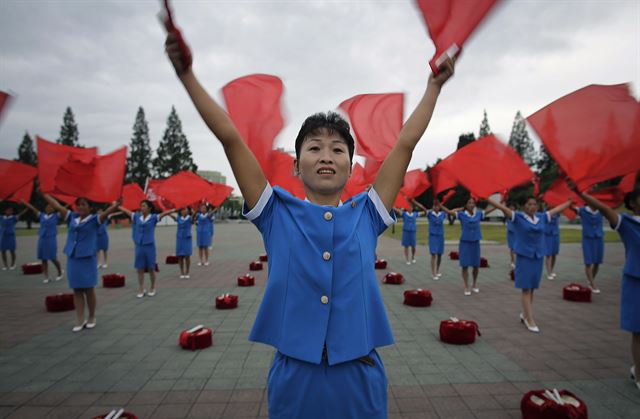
(324, 299)
(328, 215)
(326, 256)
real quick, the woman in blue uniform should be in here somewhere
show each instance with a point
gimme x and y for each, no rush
(436, 216)
(469, 246)
(322, 308)
(47, 239)
(103, 241)
(409, 220)
(204, 233)
(628, 226)
(184, 246)
(592, 243)
(144, 230)
(529, 228)
(82, 267)
(551, 245)
(511, 235)
(8, 235)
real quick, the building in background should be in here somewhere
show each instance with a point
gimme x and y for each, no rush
(213, 176)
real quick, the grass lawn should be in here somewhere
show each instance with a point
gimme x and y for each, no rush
(492, 232)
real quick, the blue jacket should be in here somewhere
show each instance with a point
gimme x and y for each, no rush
(629, 229)
(204, 223)
(470, 225)
(529, 237)
(48, 225)
(322, 288)
(436, 223)
(144, 232)
(552, 227)
(184, 227)
(409, 221)
(82, 236)
(8, 225)
(591, 223)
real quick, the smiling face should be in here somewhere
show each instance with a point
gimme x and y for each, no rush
(82, 207)
(531, 206)
(203, 209)
(48, 209)
(184, 212)
(145, 208)
(436, 206)
(324, 165)
(470, 205)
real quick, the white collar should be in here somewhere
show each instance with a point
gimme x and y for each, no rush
(532, 220)
(635, 218)
(436, 212)
(145, 219)
(473, 214)
(7, 216)
(84, 220)
(588, 208)
(47, 216)
(339, 203)
(186, 217)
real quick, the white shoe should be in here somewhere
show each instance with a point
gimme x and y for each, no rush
(632, 372)
(199, 263)
(78, 328)
(513, 266)
(476, 290)
(181, 276)
(4, 268)
(12, 268)
(46, 280)
(439, 275)
(550, 277)
(99, 266)
(152, 293)
(435, 278)
(59, 277)
(467, 293)
(534, 329)
(90, 325)
(553, 274)
(187, 277)
(594, 290)
(141, 294)
(206, 263)
(104, 266)
(413, 261)
(408, 263)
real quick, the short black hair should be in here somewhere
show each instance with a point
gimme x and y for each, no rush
(330, 121)
(528, 198)
(630, 197)
(148, 202)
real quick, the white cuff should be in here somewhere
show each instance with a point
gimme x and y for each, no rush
(548, 216)
(513, 216)
(618, 223)
(384, 214)
(262, 202)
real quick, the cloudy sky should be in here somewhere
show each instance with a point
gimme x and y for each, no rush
(106, 58)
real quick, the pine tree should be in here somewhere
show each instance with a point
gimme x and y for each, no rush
(485, 129)
(69, 130)
(139, 158)
(521, 142)
(465, 139)
(173, 154)
(26, 153)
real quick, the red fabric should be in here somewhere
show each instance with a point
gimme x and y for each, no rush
(418, 298)
(170, 26)
(99, 179)
(199, 339)
(132, 195)
(558, 193)
(357, 182)
(59, 302)
(32, 268)
(246, 280)
(393, 278)
(171, 260)
(279, 172)
(151, 191)
(549, 409)
(255, 266)
(442, 176)
(219, 193)
(16, 177)
(592, 133)
(51, 156)
(613, 196)
(183, 188)
(462, 332)
(113, 281)
(402, 202)
(376, 120)
(253, 103)
(536, 186)
(487, 166)
(576, 292)
(226, 301)
(263, 258)
(415, 183)
(450, 23)
(4, 100)
(381, 264)
(22, 194)
(453, 255)
(628, 182)
(448, 196)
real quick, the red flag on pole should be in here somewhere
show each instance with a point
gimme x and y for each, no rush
(219, 193)
(593, 133)
(558, 193)
(132, 195)
(16, 177)
(253, 103)
(450, 23)
(442, 176)
(167, 19)
(51, 156)
(402, 202)
(415, 183)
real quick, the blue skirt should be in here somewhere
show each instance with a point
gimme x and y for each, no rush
(183, 246)
(436, 244)
(352, 389)
(408, 238)
(528, 272)
(592, 250)
(82, 272)
(8, 242)
(47, 248)
(469, 253)
(102, 241)
(551, 245)
(630, 304)
(145, 256)
(203, 238)
(511, 239)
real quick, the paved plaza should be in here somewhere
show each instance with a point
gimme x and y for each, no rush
(132, 358)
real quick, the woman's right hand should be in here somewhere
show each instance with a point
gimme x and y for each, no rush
(178, 53)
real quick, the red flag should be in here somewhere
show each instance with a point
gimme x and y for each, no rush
(628, 182)
(22, 194)
(253, 103)
(219, 193)
(536, 186)
(160, 202)
(487, 166)
(402, 202)
(613, 196)
(415, 183)
(593, 133)
(558, 193)
(442, 176)
(183, 189)
(448, 196)
(357, 182)
(132, 195)
(280, 173)
(51, 156)
(376, 120)
(450, 23)
(4, 100)
(15, 176)
(170, 26)
(99, 179)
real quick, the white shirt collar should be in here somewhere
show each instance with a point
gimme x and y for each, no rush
(84, 220)
(588, 208)
(532, 220)
(339, 203)
(47, 216)
(473, 214)
(186, 217)
(143, 218)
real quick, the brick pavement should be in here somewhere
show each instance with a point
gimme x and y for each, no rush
(132, 359)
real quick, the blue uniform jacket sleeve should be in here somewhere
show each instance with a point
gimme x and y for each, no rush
(261, 214)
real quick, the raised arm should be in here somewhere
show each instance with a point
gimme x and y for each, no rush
(391, 174)
(490, 210)
(167, 212)
(110, 209)
(23, 212)
(560, 208)
(419, 205)
(505, 209)
(125, 211)
(56, 205)
(245, 166)
(31, 207)
(451, 212)
(608, 213)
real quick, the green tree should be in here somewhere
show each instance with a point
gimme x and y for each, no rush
(173, 154)
(26, 152)
(69, 130)
(465, 139)
(139, 158)
(485, 129)
(521, 142)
